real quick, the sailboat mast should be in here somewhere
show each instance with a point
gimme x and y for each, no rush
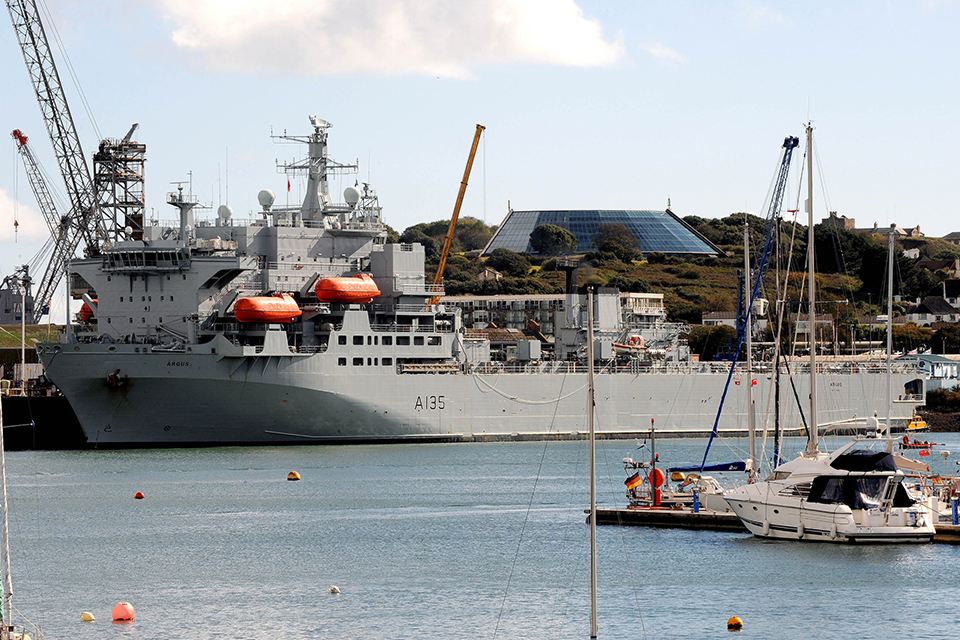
(886, 429)
(748, 334)
(7, 609)
(593, 470)
(812, 434)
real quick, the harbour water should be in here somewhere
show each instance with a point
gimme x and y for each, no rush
(426, 541)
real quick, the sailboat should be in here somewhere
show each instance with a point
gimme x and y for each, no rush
(855, 494)
(9, 631)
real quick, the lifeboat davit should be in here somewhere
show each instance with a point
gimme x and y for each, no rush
(358, 288)
(86, 312)
(280, 307)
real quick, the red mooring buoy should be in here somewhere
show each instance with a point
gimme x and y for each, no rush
(122, 612)
(139, 495)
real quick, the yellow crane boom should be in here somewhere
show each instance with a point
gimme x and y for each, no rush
(456, 214)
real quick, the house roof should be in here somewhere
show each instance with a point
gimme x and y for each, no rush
(934, 305)
(655, 231)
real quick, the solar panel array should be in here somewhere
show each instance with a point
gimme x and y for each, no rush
(656, 231)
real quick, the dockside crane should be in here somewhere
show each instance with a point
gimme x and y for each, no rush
(83, 222)
(445, 252)
(57, 224)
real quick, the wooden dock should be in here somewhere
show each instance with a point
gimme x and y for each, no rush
(715, 521)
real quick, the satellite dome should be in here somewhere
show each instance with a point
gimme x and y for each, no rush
(128, 230)
(225, 211)
(266, 198)
(351, 196)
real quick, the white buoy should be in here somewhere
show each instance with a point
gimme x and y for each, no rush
(334, 589)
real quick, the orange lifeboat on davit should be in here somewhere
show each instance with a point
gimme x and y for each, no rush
(280, 307)
(358, 288)
(86, 312)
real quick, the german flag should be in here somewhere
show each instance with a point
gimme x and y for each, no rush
(633, 481)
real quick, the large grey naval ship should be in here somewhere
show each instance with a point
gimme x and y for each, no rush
(304, 325)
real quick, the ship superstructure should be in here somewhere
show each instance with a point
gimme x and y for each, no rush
(167, 360)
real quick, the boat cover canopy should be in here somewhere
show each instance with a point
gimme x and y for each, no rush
(857, 492)
(739, 465)
(865, 460)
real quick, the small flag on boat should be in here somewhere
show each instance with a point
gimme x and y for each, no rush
(923, 452)
(633, 481)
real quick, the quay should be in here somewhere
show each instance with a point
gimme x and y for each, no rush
(715, 521)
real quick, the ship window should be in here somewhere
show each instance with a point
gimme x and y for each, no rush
(376, 339)
(143, 298)
(342, 362)
(108, 321)
(143, 321)
(387, 341)
(161, 320)
(109, 278)
(369, 340)
(341, 339)
(369, 360)
(149, 298)
(376, 361)
(121, 298)
(387, 362)
(418, 341)
(161, 298)
(358, 362)
(358, 340)
(131, 320)
(171, 298)
(403, 341)
(433, 341)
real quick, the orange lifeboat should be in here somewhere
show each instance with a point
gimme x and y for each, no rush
(280, 307)
(86, 312)
(358, 288)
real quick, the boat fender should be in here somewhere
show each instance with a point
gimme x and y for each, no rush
(833, 531)
(766, 528)
(800, 530)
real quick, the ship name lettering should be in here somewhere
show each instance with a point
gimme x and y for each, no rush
(178, 363)
(429, 402)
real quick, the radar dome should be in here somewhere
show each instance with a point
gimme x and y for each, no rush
(128, 230)
(266, 199)
(225, 212)
(351, 196)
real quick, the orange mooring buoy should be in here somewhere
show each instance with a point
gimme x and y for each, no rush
(293, 476)
(139, 495)
(122, 612)
(734, 624)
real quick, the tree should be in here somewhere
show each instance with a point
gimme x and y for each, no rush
(911, 336)
(615, 238)
(508, 262)
(414, 234)
(551, 240)
(947, 339)
(708, 341)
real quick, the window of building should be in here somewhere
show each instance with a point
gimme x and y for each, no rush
(358, 340)
(358, 362)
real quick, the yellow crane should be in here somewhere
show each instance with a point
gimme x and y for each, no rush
(456, 214)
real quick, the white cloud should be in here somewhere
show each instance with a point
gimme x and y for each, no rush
(386, 37)
(663, 54)
(757, 16)
(30, 226)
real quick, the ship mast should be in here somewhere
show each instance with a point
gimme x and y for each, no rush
(812, 434)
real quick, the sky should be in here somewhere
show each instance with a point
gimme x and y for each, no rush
(587, 104)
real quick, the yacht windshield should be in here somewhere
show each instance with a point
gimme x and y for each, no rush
(855, 492)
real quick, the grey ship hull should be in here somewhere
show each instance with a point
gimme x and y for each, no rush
(159, 398)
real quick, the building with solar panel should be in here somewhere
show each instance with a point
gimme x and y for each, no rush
(655, 231)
